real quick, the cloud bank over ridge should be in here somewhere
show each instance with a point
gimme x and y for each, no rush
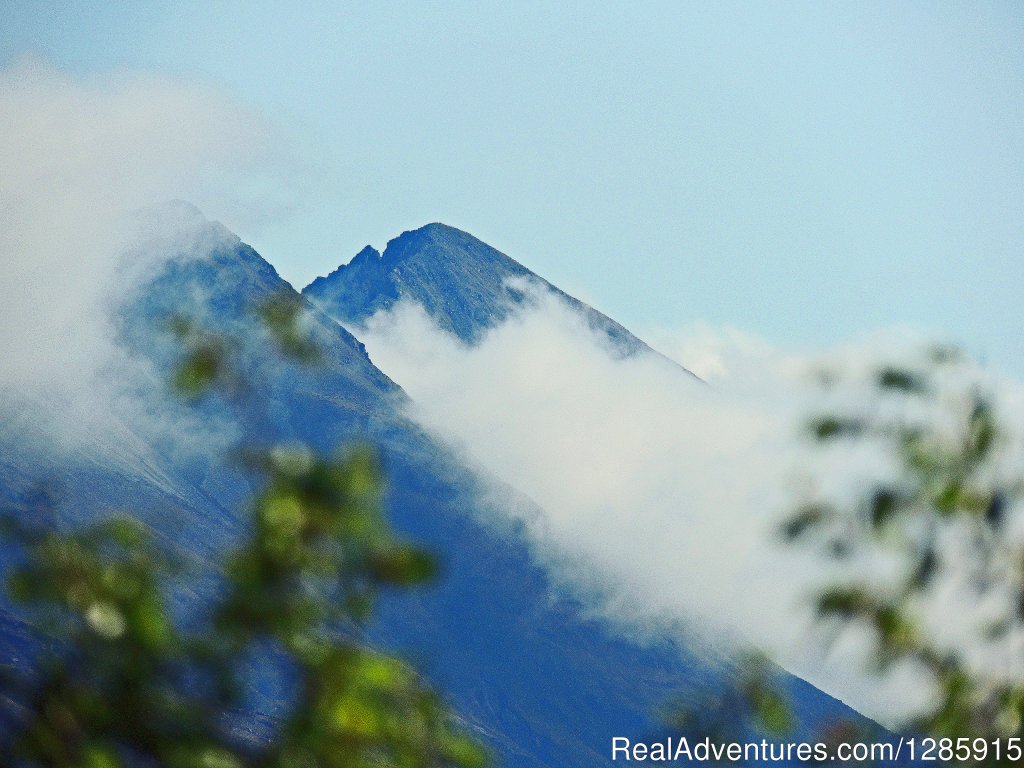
(661, 497)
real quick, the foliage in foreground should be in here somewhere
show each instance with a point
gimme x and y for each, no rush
(934, 553)
(927, 556)
(131, 684)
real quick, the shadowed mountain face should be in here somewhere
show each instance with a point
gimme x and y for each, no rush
(540, 683)
(466, 286)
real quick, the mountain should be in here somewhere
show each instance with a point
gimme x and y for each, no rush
(542, 683)
(465, 285)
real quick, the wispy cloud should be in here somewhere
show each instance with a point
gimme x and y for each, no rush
(661, 498)
(76, 157)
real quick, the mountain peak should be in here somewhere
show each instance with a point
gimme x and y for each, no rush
(457, 278)
(465, 285)
(368, 253)
(436, 239)
(434, 228)
(178, 229)
(171, 217)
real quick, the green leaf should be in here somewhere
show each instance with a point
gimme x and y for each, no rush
(885, 503)
(900, 379)
(804, 519)
(772, 712)
(830, 427)
(843, 602)
(403, 565)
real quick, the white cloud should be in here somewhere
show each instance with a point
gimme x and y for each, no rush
(717, 354)
(76, 156)
(661, 497)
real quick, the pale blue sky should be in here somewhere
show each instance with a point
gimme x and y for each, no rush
(806, 171)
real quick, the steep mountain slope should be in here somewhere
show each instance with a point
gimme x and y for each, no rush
(541, 683)
(464, 284)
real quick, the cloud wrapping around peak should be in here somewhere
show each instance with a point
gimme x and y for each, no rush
(77, 157)
(661, 498)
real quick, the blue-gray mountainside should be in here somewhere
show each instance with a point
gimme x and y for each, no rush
(466, 286)
(542, 684)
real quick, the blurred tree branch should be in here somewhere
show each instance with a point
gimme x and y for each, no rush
(128, 687)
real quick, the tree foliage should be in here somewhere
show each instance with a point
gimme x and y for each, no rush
(129, 683)
(936, 548)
